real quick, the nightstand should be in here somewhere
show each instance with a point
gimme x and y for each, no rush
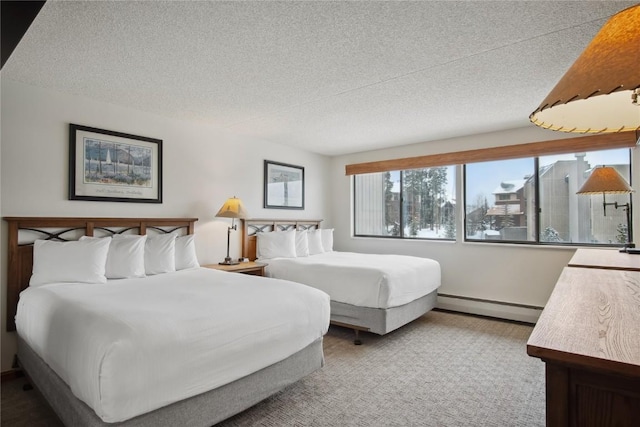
(253, 268)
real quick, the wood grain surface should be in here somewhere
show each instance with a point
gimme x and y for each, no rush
(592, 319)
(610, 259)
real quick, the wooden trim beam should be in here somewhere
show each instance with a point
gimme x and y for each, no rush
(532, 149)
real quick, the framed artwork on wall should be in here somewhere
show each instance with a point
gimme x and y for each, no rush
(113, 166)
(283, 186)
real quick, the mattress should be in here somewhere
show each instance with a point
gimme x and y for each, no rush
(364, 280)
(130, 346)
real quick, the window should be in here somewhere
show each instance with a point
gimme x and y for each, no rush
(566, 217)
(416, 203)
(535, 200)
(497, 197)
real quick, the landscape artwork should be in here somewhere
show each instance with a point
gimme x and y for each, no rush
(113, 166)
(110, 163)
(283, 186)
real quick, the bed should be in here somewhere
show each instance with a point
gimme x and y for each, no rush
(369, 292)
(187, 347)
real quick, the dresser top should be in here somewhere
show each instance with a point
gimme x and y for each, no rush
(592, 319)
(610, 259)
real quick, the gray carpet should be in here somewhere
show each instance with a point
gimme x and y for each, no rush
(444, 369)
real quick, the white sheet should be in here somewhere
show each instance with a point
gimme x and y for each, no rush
(365, 280)
(133, 345)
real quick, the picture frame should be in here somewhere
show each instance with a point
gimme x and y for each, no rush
(109, 166)
(283, 186)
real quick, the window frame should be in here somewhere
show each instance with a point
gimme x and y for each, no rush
(402, 235)
(538, 210)
(461, 209)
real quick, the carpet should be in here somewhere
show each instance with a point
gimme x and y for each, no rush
(444, 369)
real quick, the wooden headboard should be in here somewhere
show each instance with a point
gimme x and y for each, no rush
(250, 227)
(20, 260)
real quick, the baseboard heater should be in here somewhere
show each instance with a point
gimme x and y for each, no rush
(485, 307)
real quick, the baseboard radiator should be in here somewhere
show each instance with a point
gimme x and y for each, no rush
(483, 307)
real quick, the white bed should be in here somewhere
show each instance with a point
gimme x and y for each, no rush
(188, 347)
(369, 292)
(131, 346)
(364, 280)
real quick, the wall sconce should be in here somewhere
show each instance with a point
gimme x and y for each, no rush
(601, 91)
(607, 180)
(232, 208)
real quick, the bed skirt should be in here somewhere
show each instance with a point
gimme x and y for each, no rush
(202, 410)
(379, 320)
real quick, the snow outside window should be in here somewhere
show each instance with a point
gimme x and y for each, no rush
(415, 204)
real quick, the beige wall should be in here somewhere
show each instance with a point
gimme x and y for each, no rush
(202, 167)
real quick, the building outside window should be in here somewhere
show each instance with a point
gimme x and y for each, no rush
(525, 200)
(500, 200)
(496, 203)
(566, 217)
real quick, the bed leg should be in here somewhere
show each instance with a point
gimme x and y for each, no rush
(357, 341)
(16, 365)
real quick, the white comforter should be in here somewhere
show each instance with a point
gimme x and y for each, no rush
(133, 345)
(365, 280)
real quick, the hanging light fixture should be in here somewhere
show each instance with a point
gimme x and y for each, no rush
(600, 93)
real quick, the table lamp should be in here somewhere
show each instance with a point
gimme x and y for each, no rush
(232, 208)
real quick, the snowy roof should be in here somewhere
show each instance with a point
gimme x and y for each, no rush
(544, 169)
(507, 187)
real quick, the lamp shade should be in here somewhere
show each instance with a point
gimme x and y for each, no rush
(599, 93)
(605, 180)
(232, 208)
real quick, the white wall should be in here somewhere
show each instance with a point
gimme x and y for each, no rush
(202, 167)
(516, 274)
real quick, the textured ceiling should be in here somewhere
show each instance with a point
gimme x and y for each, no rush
(329, 77)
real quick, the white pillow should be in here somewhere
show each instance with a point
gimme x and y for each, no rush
(302, 243)
(277, 244)
(83, 261)
(315, 242)
(125, 258)
(186, 252)
(327, 239)
(160, 254)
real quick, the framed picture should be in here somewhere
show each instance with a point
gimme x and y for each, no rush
(114, 167)
(283, 186)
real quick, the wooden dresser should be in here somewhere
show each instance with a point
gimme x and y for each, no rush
(589, 338)
(606, 259)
